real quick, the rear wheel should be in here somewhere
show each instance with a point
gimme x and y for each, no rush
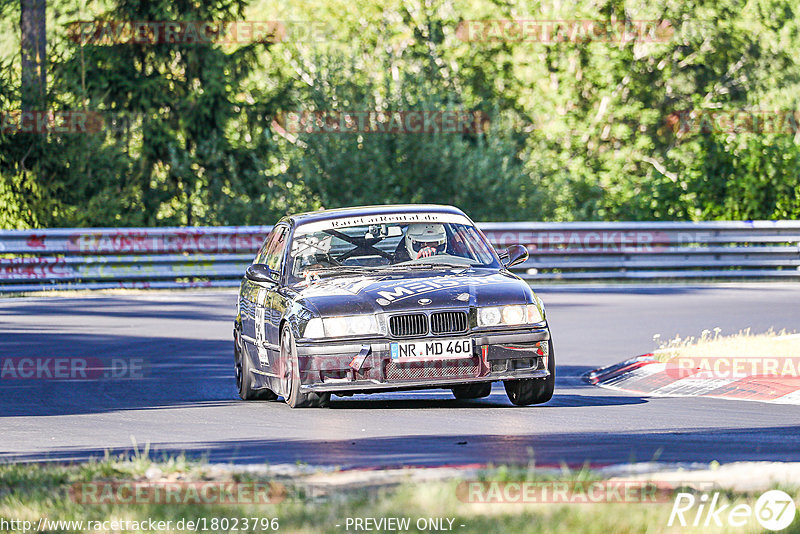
(244, 378)
(534, 390)
(472, 391)
(292, 394)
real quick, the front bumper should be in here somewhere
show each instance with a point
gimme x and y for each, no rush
(366, 365)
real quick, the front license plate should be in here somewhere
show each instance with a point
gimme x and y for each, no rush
(436, 348)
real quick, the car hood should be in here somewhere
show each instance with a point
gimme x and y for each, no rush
(413, 291)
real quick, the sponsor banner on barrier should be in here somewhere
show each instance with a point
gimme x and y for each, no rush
(34, 268)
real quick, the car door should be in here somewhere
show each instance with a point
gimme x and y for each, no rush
(250, 295)
(269, 309)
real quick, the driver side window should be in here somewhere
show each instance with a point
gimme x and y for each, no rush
(262, 252)
(275, 249)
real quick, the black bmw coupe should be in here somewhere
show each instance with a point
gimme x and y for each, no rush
(382, 298)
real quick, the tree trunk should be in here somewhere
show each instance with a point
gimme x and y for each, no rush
(34, 54)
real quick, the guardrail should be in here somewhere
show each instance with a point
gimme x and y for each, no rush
(99, 258)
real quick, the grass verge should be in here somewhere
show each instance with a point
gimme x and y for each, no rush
(320, 503)
(744, 344)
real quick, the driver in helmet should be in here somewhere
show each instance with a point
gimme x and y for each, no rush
(424, 240)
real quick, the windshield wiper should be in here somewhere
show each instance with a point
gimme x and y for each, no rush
(377, 269)
(351, 269)
(438, 265)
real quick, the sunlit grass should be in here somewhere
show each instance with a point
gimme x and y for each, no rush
(30, 491)
(744, 344)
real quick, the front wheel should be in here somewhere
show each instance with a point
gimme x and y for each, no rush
(292, 394)
(534, 390)
(244, 378)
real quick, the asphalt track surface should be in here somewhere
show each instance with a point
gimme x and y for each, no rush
(187, 400)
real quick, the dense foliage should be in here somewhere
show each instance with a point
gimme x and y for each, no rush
(579, 128)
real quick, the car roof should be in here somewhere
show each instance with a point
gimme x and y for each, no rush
(324, 215)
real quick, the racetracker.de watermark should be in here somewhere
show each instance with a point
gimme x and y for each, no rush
(597, 241)
(565, 31)
(731, 367)
(734, 121)
(587, 241)
(125, 32)
(392, 122)
(67, 121)
(44, 121)
(157, 492)
(72, 368)
(569, 491)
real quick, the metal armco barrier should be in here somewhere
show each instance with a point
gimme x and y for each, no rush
(99, 258)
(653, 250)
(137, 258)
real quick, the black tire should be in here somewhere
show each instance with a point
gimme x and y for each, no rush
(533, 390)
(244, 378)
(292, 394)
(472, 391)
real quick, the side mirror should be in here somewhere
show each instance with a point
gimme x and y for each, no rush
(260, 273)
(514, 255)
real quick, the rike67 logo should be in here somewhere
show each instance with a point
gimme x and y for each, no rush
(774, 510)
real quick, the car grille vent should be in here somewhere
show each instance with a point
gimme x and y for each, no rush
(451, 322)
(446, 369)
(414, 324)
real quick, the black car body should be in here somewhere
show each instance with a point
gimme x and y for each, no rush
(333, 304)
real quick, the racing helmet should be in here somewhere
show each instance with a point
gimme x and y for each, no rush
(425, 240)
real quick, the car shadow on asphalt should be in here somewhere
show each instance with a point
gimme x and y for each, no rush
(497, 399)
(581, 401)
(47, 374)
(573, 449)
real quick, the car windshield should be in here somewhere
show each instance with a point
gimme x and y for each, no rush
(433, 242)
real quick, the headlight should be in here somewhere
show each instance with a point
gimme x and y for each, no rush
(489, 316)
(514, 314)
(352, 325)
(511, 315)
(534, 316)
(314, 328)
